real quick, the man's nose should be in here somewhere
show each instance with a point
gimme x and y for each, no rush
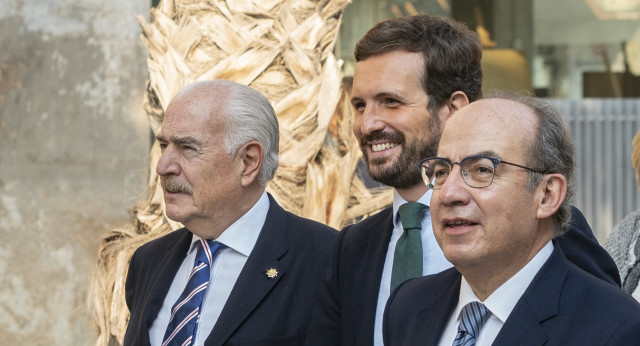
(168, 163)
(455, 188)
(372, 120)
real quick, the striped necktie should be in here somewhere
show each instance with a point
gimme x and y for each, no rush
(185, 313)
(474, 315)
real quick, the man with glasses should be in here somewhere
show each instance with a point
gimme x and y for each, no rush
(495, 221)
(412, 74)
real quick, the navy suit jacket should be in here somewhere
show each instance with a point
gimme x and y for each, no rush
(260, 310)
(563, 305)
(345, 314)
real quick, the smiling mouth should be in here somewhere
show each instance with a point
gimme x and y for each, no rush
(382, 146)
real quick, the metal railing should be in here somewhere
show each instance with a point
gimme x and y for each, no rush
(606, 187)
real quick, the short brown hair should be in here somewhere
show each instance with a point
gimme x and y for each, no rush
(451, 53)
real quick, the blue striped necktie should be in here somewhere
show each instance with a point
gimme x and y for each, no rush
(185, 313)
(474, 315)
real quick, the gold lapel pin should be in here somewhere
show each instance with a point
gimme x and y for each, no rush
(272, 273)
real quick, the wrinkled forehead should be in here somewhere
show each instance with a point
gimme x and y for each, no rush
(192, 114)
(498, 125)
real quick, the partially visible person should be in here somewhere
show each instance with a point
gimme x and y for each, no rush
(412, 75)
(502, 183)
(624, 241)
(243, 271)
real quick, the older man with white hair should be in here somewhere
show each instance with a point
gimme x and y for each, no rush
(243, 271)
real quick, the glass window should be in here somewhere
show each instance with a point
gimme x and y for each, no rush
(561, 49)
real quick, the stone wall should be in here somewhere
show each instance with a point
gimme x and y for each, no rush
(74, 144)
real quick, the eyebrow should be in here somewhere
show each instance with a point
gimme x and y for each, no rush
(381, 95)
(188, 140)
(487, 153)
(355, 99)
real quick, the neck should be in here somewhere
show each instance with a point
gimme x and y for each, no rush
(413, 193)
(235, 208)
(485, 277)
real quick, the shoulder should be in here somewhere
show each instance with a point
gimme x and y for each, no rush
(588, 302)
(427, 293)
(303, 227)
(624, 233)
(159, 246)
(371, 226)
(581, 247)
(604, 297)
(631, 220)
(430, 285)
(296, 226)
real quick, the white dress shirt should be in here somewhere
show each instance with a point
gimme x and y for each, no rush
(240, 238)
(433, 260)
(500, 303)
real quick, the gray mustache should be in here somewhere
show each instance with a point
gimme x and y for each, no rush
(174, 185)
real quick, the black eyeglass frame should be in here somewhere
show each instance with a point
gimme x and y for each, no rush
(494, 160)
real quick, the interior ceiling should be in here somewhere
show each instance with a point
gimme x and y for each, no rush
(600, 9)
(615, 9)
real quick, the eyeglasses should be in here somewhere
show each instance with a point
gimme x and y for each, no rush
(477, 171)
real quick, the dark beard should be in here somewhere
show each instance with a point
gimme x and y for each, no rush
(403, 173)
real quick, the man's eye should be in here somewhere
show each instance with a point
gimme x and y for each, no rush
(440, 173)
(391, 102)
(359, 106)
(480, 169)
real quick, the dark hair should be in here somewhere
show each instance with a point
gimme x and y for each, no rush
(451, 53)
(551, 152)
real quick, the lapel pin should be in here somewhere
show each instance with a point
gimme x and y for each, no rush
(272, 273)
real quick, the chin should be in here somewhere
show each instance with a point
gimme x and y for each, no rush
(173, 213)
(457, 254)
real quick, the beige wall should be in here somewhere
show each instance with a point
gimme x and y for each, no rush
(73, 148)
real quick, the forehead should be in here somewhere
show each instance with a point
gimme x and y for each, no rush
(502, 126)
(191, 114)
(393, 72)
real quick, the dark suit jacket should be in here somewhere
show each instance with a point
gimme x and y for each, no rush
(563, 305)
(346, 310)
(260, 310)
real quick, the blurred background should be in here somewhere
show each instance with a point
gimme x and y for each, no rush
(74, 138)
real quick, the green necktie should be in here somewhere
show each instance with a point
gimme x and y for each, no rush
(407, 259)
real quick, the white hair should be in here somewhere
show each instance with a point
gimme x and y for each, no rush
(248, 116)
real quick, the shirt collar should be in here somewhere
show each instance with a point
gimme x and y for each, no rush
(243, 234)
(398, 201)
(502, 301)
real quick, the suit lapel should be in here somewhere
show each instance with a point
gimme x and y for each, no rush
(253, 284)
(369, 280)
(539, 303)
(168, 267)
(444, 303)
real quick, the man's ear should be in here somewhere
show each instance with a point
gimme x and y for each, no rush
(456, 101)
(552, 191)
(252, 155)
